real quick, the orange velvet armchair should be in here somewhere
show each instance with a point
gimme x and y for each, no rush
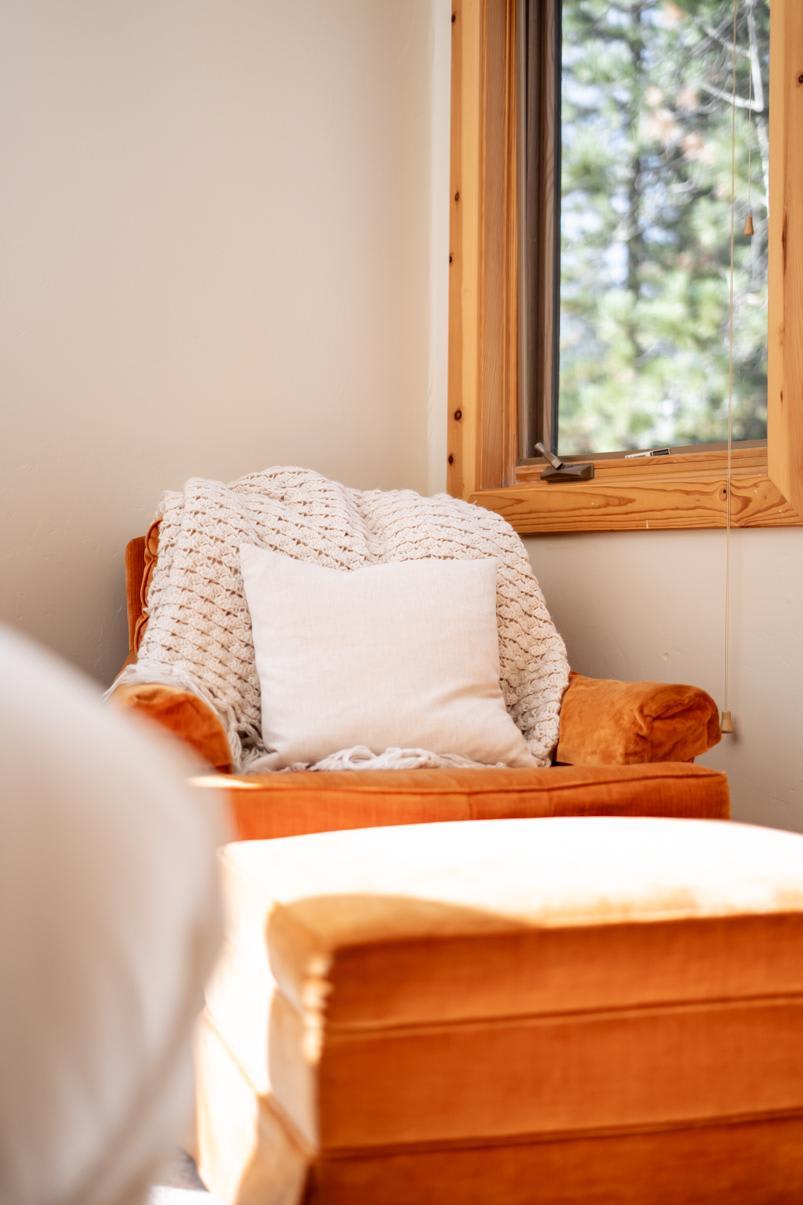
(623, 748)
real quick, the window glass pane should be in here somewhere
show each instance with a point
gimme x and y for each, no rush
(645, 223)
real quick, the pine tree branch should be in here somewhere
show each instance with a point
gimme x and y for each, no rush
(738, 101)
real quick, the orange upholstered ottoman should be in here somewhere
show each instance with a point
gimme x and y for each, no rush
(594, 1010)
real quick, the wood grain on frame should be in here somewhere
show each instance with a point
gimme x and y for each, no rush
(456, 483)
(482, 417)
(690, 492)
(498, 302)
(785, 384)
(679, 491)
(464, 183)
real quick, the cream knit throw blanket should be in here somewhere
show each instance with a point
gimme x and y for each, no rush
(198, 635)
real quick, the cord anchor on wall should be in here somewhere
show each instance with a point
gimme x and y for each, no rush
(558, 470)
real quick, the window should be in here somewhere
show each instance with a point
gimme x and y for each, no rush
(590, 255)
(645, 200)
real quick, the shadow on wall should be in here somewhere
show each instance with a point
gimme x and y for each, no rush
(651, 605)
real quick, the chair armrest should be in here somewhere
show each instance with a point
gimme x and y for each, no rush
(134, 577)
(608, 723)
(184, 714)
(178, 711)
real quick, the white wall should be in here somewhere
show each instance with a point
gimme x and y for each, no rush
(224, 233)
(650, 605)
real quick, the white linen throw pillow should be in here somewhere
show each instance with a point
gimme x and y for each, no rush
(397, 655)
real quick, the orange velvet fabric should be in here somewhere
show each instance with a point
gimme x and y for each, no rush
(181, 713)
(426, 1006)
(252, 1155)
(608, 723)
(134, 578)
(284, 805)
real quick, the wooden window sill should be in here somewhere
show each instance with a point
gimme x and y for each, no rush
(688, 490)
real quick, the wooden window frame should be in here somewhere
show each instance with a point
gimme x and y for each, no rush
(684, 490)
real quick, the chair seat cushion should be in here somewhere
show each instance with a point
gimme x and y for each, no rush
(432, 988)
(284, 805)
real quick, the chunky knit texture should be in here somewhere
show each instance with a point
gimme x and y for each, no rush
(199, 629)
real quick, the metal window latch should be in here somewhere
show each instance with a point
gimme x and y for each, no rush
(559, 471)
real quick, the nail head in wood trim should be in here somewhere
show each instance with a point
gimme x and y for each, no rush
(458, 414)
